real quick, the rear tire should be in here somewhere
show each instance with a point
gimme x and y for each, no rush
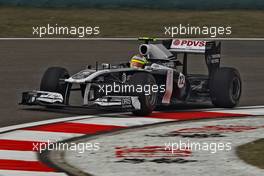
(225, 87)
(147, 102)
(51, 80)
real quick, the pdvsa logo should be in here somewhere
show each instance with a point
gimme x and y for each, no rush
(189, 43)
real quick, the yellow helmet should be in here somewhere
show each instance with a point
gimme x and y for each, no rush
(138, 61)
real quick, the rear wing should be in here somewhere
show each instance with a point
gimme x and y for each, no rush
(190, 46)
(210, 49)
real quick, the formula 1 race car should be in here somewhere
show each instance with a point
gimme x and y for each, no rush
(163, 81)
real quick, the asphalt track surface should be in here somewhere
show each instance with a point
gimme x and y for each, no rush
(22, 63)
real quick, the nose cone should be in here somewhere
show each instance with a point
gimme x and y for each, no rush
(82, 74)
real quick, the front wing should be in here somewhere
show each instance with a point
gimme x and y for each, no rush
(43, 98)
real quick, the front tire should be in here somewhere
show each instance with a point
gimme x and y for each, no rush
(51, 80)
(147, 102)
(225, 87)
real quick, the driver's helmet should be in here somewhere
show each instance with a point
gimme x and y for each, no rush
(138, 61)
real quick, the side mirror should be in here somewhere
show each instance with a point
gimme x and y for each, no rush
(89, 66)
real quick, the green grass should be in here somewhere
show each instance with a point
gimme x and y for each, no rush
(253, 153)
(18, 21)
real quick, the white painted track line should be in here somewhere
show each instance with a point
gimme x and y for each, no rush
(44, 122)
(18, 155)
(250, 107)
(132, 38)
(40, 136)
(256, 111)
(126, 121)
(29, 173)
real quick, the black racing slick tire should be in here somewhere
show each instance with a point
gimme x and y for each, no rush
(225, 87)
(51, 80)
(147, 102)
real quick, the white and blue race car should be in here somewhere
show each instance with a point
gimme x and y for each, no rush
(165, 80)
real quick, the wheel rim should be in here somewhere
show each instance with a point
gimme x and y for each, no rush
(235, 89)
(152, 96)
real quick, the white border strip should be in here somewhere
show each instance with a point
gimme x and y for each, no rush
(44, 122)
(228, 109)
(123, 122)
(18, 155)
(29, 173)
(135, 39)
(39, 136)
